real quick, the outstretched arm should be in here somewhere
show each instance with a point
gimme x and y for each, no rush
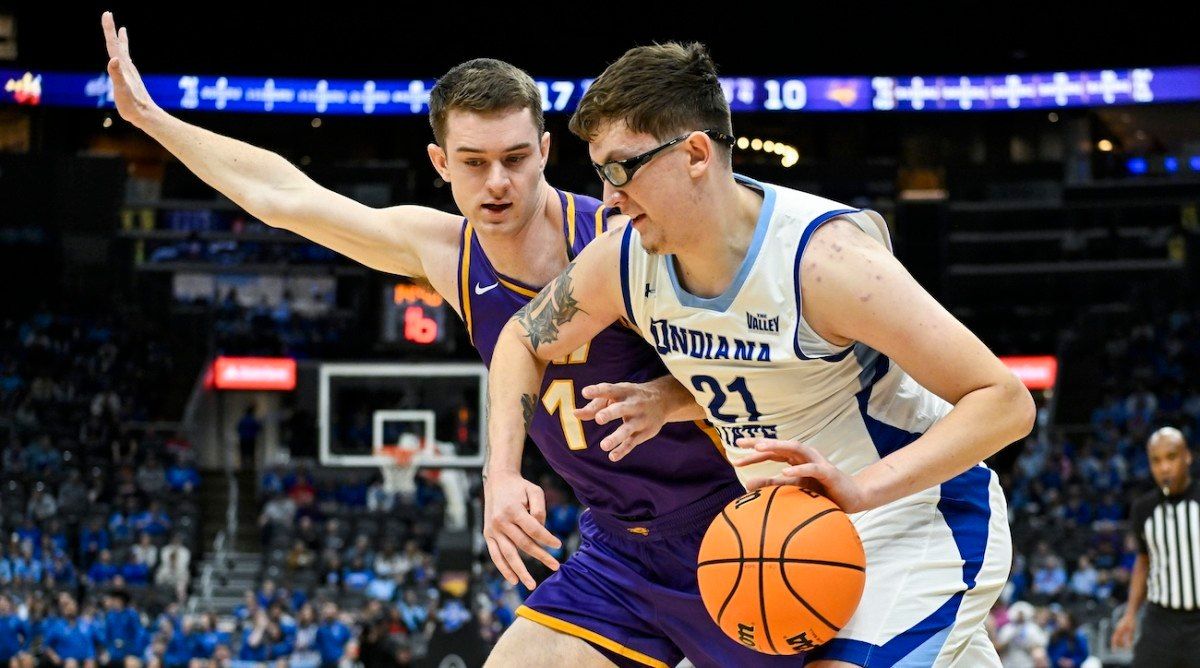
(565, 315)
(400, 240)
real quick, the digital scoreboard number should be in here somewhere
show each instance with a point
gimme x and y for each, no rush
(414, 315)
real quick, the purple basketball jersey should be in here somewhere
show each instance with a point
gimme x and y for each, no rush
(683, 465)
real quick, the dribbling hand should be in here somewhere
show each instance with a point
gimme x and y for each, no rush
(806, 468)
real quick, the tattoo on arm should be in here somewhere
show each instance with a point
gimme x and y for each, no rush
(528, 404)
(554, 306)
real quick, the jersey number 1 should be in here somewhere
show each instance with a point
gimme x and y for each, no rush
(560, 397)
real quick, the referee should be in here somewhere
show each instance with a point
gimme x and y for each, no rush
(1167, 571)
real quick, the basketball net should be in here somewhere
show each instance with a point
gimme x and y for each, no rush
(400, 471)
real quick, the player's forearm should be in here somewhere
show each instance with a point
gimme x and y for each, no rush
(677, 403)
(513, 383)
(1137, 585)
(981, 424)
(258, 180)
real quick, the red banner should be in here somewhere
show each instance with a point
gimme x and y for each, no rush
(1038, 373)
(254, 373)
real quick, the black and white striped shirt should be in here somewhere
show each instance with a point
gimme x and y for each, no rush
(1168, 530)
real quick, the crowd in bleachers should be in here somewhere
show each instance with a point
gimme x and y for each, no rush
(109, 630)
(1070, 492)
(100, 513)
(279, 330)
(91, 504)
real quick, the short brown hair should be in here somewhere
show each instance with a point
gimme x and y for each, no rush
(662, 90)
(483, 85)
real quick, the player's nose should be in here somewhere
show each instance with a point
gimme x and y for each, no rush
(497, 181)
(613, 195)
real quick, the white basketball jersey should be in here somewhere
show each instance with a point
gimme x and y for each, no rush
(757, 366)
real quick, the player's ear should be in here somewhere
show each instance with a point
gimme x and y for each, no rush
(699, 149)
(545, 148)
(437, 156)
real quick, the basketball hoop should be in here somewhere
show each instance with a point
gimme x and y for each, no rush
(398, 468)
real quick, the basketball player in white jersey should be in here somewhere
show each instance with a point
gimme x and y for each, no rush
(817, 356)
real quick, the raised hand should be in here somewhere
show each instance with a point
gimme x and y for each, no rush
(134, 103)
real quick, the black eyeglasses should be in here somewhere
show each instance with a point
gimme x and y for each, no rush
(619, 172)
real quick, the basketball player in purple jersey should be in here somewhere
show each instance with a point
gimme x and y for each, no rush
(629, 595)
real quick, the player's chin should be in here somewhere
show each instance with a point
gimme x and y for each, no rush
(651, 245)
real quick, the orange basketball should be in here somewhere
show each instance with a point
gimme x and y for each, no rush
(781, 570)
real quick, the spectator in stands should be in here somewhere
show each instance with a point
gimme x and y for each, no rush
(146, 551)
(73, 493)
(278, 514)
(68, 642)
(1085, 581)
(122, 634)
(41, 506)
(97, 488)
(356, 575)
(413, 612)
(332, 636)
(28, 532)
(27, 570)
(106, 406)
(103, 571)
(182, 476)
(360, 551)
(134, 571)
(307, 531)
(60, 572)
(300, 557)
(120, 523)
(156, 650)
(204, 640)
(178, 651)
(6, 566)
(389, 563)
(333, 538)
(41, 456)
(1068, 645)
(152, 477)
(384, 589)
(38, 621)
(306, 653)
(15, 635)
(257, 639)
(125, 482)
(92, 540)
(173, 569)
(45, 549)
(300, 486)
(152, 520)
(331, 568)
(248, 429)
(124, 454)
(379, 499)
(14, 458)
(453, 614)
(1050, 577)
(250, 606)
